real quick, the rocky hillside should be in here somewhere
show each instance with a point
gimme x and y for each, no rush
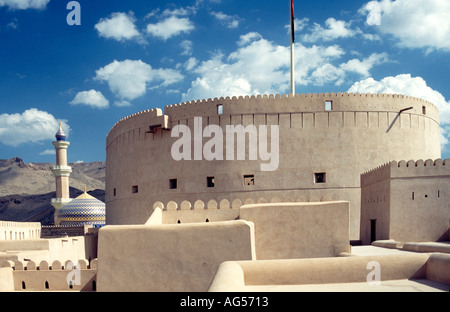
(27, 189)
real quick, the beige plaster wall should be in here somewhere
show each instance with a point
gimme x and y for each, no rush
(417, 201)
(51, 276)
(299, 230)
(62, 249)
(234, 276)
(361, 132)
(179, 257)
(6, 280)
(19, 230)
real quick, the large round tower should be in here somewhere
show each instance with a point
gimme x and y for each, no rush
(325, 141)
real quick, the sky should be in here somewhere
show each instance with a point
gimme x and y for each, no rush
(87, 64)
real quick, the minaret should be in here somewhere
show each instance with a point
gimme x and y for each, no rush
(62, 172)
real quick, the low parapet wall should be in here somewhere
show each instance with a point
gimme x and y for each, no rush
(235, 276)
(173, 257)
(48, 276)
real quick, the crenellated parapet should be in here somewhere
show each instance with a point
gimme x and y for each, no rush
(44, 265)
(420, 168)
(407, 169)
(280, 103)
(340, 107)
(149, 120)
(58, 275)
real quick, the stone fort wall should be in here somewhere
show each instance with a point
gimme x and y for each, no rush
(404, 196)
(325, 142)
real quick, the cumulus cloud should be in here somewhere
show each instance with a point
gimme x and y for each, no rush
(91, 98)
(260, 66)
(31, 126)
(170, 27)
(407, 85)
(130, 79)
(48, 152)
(120, 27)
(334, 30)
(24, 4)
(413, 23)
(229, 21)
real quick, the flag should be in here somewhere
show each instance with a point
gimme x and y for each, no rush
(292, 22)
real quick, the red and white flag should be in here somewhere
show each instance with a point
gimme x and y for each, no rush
(292, 22)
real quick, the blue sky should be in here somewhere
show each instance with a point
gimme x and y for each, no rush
(128, 56)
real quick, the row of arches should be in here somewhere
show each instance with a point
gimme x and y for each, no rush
(234, 204)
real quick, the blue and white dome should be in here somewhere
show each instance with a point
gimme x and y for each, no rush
(83, 210)
(60, 135)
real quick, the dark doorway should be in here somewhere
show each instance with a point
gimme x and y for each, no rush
(373, 230)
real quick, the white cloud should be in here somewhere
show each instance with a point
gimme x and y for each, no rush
(129, 79)
(415, 23)
(191, 63)
(260, 66)
(229, 21)
(24, 4)
(48, 152)
(334, 30)
(31, 126)
(407, 85)
(187, 47)
(170, 27)
(91, 98)
(120, 27)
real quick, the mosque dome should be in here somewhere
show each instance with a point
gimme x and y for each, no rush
(60, 135)
(83, 210)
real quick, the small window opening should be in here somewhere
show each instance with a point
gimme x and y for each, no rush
(94, 285)
(207, 220)
(220, 109)
(320, 177)
(135, 189)
(328, 105)
(412, 195)
(173, 184)
(426, 196)
(70, 285)
(210, 182)
(249, 179)
(23, 285)
(424, 110)
(438, 193)
(46, 285)
(178, 221)
(115, 192)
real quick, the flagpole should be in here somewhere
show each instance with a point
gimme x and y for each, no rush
(292, 69)
(292, 50)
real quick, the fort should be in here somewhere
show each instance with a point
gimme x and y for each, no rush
(325, 142)
(360, 184)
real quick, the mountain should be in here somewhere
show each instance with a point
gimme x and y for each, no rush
(26, 190)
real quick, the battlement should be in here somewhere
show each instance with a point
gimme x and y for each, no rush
(56, 265)
(55, 276)
(403, 168)
(274, 104)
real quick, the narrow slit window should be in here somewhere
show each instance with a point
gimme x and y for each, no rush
(115, 192)
(320, 177)
(424, 110)
(328, 105)
(412, 195)
(249, 179)
(173, 184)
(220, 109)
(135, 189)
